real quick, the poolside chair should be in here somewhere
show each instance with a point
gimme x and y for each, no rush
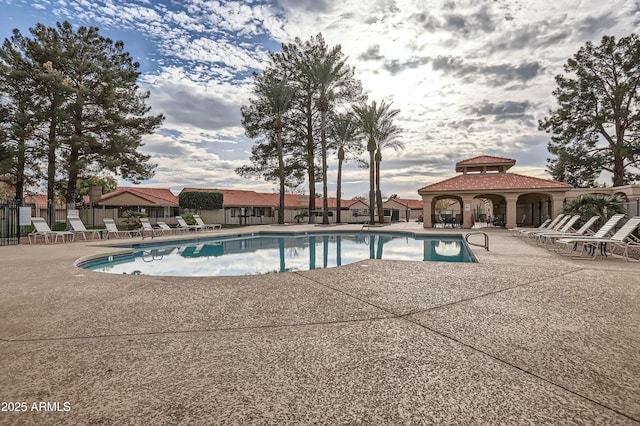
(113, 229)
(200, 222)
(622, 238)
(549, 238)
(517, 230)
(184, 225)
(148, 228)
(42, 228)
(562, 228)
(78, 228)
(166, 228)
(601, 233)
(559, 224)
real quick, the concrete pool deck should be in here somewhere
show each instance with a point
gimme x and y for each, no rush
(523, 336)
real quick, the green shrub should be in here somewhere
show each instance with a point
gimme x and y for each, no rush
(188, 217)
(200, 200)
(132, 218)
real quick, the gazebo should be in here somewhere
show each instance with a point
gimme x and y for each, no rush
(515, 198)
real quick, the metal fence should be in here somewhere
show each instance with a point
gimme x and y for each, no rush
(9, 229)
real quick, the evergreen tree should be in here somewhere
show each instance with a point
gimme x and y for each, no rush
(597, 125)
(274, 99)
(51, 91)
(88, 111)
(19, 106)
(106, 111)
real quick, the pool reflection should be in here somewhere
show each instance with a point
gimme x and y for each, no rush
(252, 255)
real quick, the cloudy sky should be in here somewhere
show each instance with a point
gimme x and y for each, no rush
(470, 77)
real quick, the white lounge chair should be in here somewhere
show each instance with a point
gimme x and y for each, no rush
(622, 238)
(549, 238)
(166, 228)
(42, 228)
(561, 228)
(600, 234)
(558, 225)
(113, 229)
(184, 225)
(148, 228)
(544, 225)
(78, 228)
(200, 222)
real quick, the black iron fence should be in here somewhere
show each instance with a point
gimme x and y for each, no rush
(9, 226)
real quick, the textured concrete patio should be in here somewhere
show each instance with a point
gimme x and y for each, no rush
(522, 337)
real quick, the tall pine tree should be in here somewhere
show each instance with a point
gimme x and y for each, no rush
(89, 112)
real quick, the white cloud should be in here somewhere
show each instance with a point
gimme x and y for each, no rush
(470, 77)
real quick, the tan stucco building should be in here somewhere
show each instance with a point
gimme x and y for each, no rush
(515, 199)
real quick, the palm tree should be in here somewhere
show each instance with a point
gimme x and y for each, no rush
(343, 132)
(278, 97)
(589, 205)
(328, 73)
(387, 139)
(375, 122)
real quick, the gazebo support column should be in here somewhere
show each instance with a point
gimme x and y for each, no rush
(427, 211)
(467, 212)
(511, 218)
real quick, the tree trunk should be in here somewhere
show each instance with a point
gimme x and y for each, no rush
(51, 163)
(325, 190)
(339, 185)
(75, 167)
(72, 184)
(372, 185)
(312, 189)
(618, 161)
(20, 166)
(280, 171)
(371, 147)
(310, 162)
(378, 190)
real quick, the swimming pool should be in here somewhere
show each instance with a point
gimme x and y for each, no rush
(255, 254)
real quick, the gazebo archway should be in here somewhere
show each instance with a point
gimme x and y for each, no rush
(533, 208)
(445, 209)
(496, 211)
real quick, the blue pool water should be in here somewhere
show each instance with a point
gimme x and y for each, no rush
(269, 253)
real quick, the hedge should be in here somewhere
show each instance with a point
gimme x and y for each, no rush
(200, 200)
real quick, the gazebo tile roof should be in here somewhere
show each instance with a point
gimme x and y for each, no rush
(485, 159)
(493, 182)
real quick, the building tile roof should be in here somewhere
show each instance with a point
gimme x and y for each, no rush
(290, 200)
(238, 197)
(158, 196)
(302, 201)
(244, 198)
(491, 182)
(409, 203)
